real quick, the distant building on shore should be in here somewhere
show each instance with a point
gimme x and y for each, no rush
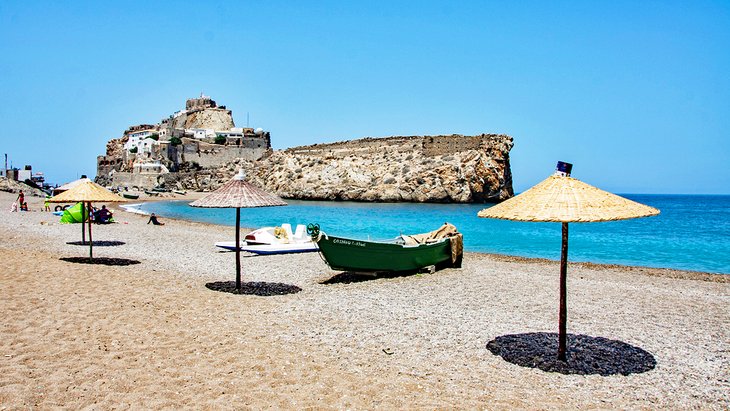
(23, 175)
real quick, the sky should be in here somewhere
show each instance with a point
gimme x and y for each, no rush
(635, 94)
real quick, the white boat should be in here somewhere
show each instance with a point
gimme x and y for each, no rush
(278, 235)
(270, 248)
(274, 240)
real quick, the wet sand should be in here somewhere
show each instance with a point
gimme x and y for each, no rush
(155, 335)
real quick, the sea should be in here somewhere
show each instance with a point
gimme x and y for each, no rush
(691, 233)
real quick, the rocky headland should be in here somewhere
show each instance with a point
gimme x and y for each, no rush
(199, 149)
(453, 168)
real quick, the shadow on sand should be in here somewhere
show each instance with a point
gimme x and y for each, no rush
(111, 243)
(348, 277)
(99, 260)
(254, 288)
(586, 355)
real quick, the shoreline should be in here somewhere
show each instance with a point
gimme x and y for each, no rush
(648, 270)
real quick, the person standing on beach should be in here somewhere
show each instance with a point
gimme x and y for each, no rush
(21, 198)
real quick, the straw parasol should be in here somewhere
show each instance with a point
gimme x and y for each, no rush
(68, 186)
(238, 194)
(86, 192)
(561, 198)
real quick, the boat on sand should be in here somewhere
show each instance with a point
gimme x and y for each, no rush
(265, 249)
(442, 248)
(274, 240)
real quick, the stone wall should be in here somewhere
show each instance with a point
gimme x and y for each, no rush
(105, 164)
(134, 181)
(208, 155)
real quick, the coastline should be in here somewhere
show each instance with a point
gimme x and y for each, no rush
(647, 270)
(154, 335)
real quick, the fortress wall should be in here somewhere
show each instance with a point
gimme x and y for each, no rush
(209, 155)
(221, 156)
(105, 164)
(135, 181)
(430, 146)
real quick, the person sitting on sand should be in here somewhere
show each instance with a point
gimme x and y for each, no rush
(103, 216)
(24, 206)
(153, 220)
(14, 207)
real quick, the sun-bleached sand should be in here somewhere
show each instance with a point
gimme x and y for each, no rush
(152, 335)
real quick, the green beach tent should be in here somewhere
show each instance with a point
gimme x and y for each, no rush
(72, 214)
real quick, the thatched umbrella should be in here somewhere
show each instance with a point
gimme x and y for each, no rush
(86, 193)
(68, 186)
(238, 194)
(561, 198)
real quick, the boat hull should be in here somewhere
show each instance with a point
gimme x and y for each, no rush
(130, 196)
(365, 256)
(266, 249)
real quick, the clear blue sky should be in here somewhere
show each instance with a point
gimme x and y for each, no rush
(635, 94)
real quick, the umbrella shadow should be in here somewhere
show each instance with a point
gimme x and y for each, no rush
(100, 260)
(262, 289)
(586, 355)
(103, 243)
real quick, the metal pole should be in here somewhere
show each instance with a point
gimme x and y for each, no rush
(238, 249)
(563, 316)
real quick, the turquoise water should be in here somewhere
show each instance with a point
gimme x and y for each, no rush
(691, 233)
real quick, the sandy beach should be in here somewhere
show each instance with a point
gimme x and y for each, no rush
(154, 335)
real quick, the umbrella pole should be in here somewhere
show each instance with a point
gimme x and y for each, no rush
(238, 250)
(563, 316)
(91, 242)
(83, 223)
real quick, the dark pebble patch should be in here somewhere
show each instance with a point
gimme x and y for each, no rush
(100, 260)
(254, 288)
(586, 355)
(111, 243)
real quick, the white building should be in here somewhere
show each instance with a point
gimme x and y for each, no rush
(24, 175)
(143, 145)
(149, 167)
(200, 133)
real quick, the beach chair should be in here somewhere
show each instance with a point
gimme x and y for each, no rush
(301, 233)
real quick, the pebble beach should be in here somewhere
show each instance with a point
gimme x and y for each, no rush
(158, 334)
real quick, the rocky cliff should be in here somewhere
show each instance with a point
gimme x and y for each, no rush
(452, 168)
(211, 118)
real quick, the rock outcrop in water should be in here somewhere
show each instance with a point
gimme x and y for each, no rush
(451, 168)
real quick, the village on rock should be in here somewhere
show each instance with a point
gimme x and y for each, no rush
(203, 135)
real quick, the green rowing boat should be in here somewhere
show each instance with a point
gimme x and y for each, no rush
(367, 256)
